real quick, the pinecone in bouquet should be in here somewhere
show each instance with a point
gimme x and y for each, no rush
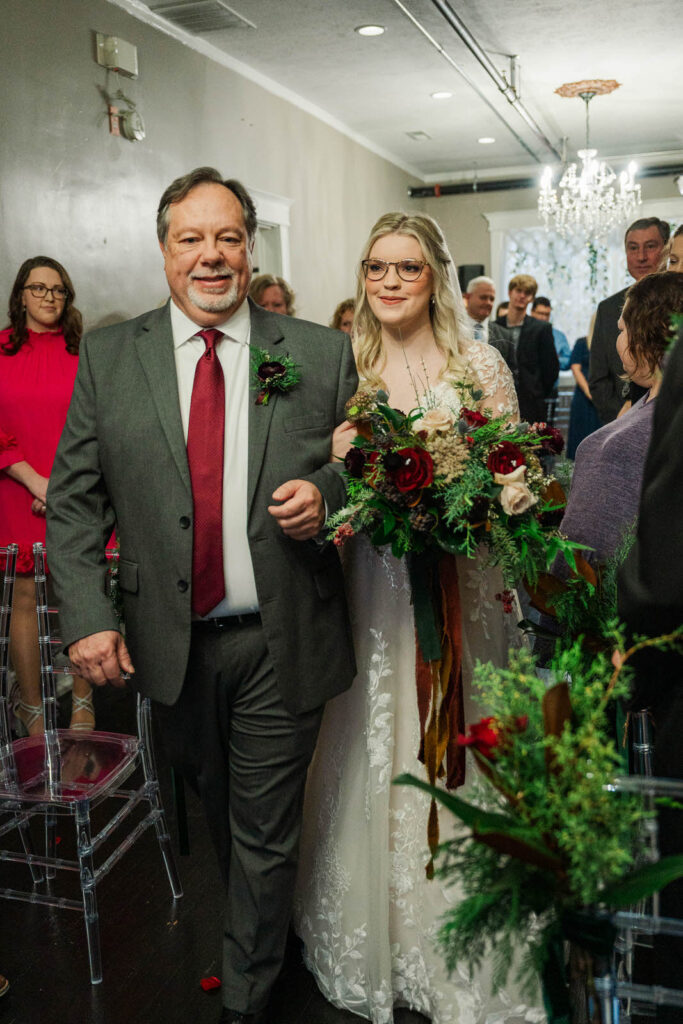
(359, 409)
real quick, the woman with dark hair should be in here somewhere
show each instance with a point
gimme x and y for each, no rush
(583, 416)
(38, 361)
(605, 492)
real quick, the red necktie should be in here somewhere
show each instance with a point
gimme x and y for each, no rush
(205, 437)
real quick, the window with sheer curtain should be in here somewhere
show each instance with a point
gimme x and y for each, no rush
(574, 276)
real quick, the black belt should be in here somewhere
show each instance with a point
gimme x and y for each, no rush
(226, 622)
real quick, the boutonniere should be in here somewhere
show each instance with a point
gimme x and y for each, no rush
(270, 376)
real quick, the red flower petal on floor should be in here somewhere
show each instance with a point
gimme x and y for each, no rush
(209, 984)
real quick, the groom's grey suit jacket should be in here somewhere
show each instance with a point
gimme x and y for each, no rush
(122, 461)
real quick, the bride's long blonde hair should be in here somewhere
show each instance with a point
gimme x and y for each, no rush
(446, 310)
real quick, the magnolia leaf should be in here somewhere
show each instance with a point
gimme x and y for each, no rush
(531, 628)
(586, 570)
(498, 831)
(546, 586)
(554, 493)
(520, 849)
(394, 416)
(643, 882)
(557, 709)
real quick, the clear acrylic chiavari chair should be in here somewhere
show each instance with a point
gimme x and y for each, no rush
(66, 774)
(621, 997)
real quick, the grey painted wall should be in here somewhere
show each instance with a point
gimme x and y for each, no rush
(70, 190)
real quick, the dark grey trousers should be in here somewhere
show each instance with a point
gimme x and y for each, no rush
(247, 756)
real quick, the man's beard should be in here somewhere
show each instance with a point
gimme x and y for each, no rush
(213, 303)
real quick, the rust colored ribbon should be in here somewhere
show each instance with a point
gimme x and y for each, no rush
(440, 697)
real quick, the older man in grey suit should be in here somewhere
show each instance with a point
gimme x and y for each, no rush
(236, 620)
(644, 241)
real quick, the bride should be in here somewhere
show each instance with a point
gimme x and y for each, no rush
(364, 909)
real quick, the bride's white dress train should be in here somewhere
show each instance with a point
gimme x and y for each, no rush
(364, 909)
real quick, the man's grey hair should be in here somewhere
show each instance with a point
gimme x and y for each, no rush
(182, 186)
(649, 222)
(480, 280)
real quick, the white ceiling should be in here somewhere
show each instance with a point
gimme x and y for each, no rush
(379, 88)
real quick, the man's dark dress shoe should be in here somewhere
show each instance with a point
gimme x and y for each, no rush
(235, 1017)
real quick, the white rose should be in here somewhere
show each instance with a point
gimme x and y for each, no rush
(435, 419)
(515, 496)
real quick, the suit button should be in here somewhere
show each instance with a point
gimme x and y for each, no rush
(184, 522)
(182, 586)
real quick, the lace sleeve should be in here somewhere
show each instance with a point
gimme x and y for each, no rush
(495, 380)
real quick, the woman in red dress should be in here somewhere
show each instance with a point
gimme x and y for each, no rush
(38, 362)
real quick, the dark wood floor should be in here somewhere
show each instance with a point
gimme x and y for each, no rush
(154, 952)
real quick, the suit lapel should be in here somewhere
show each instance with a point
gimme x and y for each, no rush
(265, 334)
(154, 344)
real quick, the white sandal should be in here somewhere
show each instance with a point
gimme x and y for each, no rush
(32, 711)
(82, 704)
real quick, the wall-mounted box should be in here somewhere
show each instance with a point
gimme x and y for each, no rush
(116, 54)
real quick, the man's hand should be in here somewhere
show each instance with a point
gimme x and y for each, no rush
(302, 512)
(101, 658)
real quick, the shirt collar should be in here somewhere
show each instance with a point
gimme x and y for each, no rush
(237, 327)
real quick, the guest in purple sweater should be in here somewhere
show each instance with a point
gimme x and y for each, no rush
(605, 492)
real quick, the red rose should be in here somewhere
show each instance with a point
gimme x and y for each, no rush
(354, 462)
(473, 418)
(552, 442)
(416, 469)
(505, 458)
(484, 737)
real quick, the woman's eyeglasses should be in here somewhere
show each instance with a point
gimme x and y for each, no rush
(407, 270)
(41, 290)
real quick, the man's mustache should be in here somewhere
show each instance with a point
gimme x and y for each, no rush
(216, 272)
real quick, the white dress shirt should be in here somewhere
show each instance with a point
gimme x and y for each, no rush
(479, 330)
(234, 353)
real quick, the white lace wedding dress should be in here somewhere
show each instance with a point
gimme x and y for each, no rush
(364, 909)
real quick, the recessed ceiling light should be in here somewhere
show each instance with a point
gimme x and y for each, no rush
(486, 140)
(444, 95)
(371, 30)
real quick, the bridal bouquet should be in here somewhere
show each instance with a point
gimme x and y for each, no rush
(548, 847)
(430, 479)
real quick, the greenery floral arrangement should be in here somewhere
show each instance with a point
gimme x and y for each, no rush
(431, 479)
(548, 843)
(271, 377)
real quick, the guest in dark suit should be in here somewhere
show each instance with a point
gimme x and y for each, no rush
(650, 601)
(536, 365)
(644, 242)
(236, 622)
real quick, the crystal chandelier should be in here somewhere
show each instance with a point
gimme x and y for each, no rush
(586, 201)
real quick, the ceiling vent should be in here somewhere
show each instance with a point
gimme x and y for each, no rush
(418, 136)
(199, 16)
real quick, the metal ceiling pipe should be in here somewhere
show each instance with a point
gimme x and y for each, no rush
(459, 26)
(463, 74)
(461, 188)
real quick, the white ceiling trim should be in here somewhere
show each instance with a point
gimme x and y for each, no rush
(143, 13)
